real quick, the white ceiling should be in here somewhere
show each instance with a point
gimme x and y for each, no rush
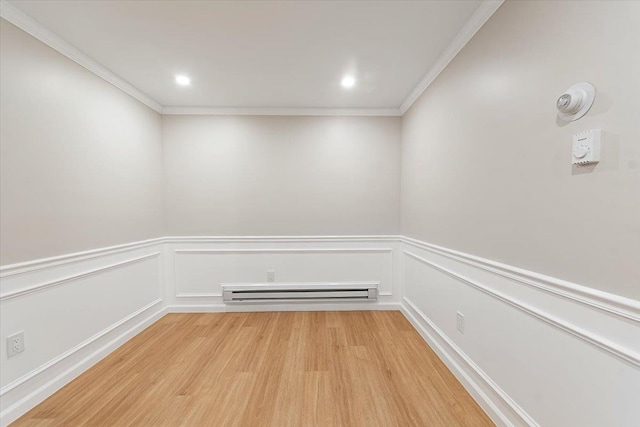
(262, 54)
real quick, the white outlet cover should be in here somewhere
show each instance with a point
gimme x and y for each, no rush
(271, 276)
(15, 344)
(460, 322)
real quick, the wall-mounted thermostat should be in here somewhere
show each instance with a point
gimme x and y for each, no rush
(586, 147)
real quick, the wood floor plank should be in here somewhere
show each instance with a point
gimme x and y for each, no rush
(365, 368)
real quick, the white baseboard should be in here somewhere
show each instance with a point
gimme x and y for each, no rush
(239, 308)
(26, 392)
(496, 403)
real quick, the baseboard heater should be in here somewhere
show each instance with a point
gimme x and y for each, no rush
(299, 292)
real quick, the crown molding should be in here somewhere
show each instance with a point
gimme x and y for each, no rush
(477, 20)
(277, 111)
(27, 24)
(30, 26)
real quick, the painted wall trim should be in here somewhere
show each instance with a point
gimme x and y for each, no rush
(503, 410)
(281, 239)
(27, 24)
(275, 111)
(610, 303)
(80, 346)
(44, 263)
(57, 282)
(616, 350)
(45, 380)
(477, 20)
(198, 295)
(284, 251)
(205, 307)
(205, 295)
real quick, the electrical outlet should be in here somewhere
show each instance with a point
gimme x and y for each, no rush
(271, 276)
(15, 344)
(460, 322)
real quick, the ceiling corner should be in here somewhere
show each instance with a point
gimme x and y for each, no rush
(35, 29)
(477, 20)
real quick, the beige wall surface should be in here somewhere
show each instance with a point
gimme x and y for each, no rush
(486, 167)
(272, 175)
(81, 161)
(485, 163)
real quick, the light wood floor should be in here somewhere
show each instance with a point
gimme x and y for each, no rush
(367, 368)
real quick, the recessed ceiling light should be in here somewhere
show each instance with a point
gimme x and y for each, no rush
(183, 80)
(348, 82)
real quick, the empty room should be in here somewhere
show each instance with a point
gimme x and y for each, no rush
(320, 213)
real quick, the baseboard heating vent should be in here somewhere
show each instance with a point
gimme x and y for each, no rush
(308, 292)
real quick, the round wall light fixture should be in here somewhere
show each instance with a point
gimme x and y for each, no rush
(576, 101)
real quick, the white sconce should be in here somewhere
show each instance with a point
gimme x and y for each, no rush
(576, 101)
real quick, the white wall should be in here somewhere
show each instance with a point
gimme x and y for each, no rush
(273, 175)
(73, 311)
(487, 176)
(81, 162)
(532, 352)
(486, 168)
(81, 168)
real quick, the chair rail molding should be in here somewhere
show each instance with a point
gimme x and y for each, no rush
(603, 301)
(44, 263)
(610, 303)
(57, 282)
(578, 332)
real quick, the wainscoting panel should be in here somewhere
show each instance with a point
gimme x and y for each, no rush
(73, 311)
(531, 355)
(198, 267)
(535, 350)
